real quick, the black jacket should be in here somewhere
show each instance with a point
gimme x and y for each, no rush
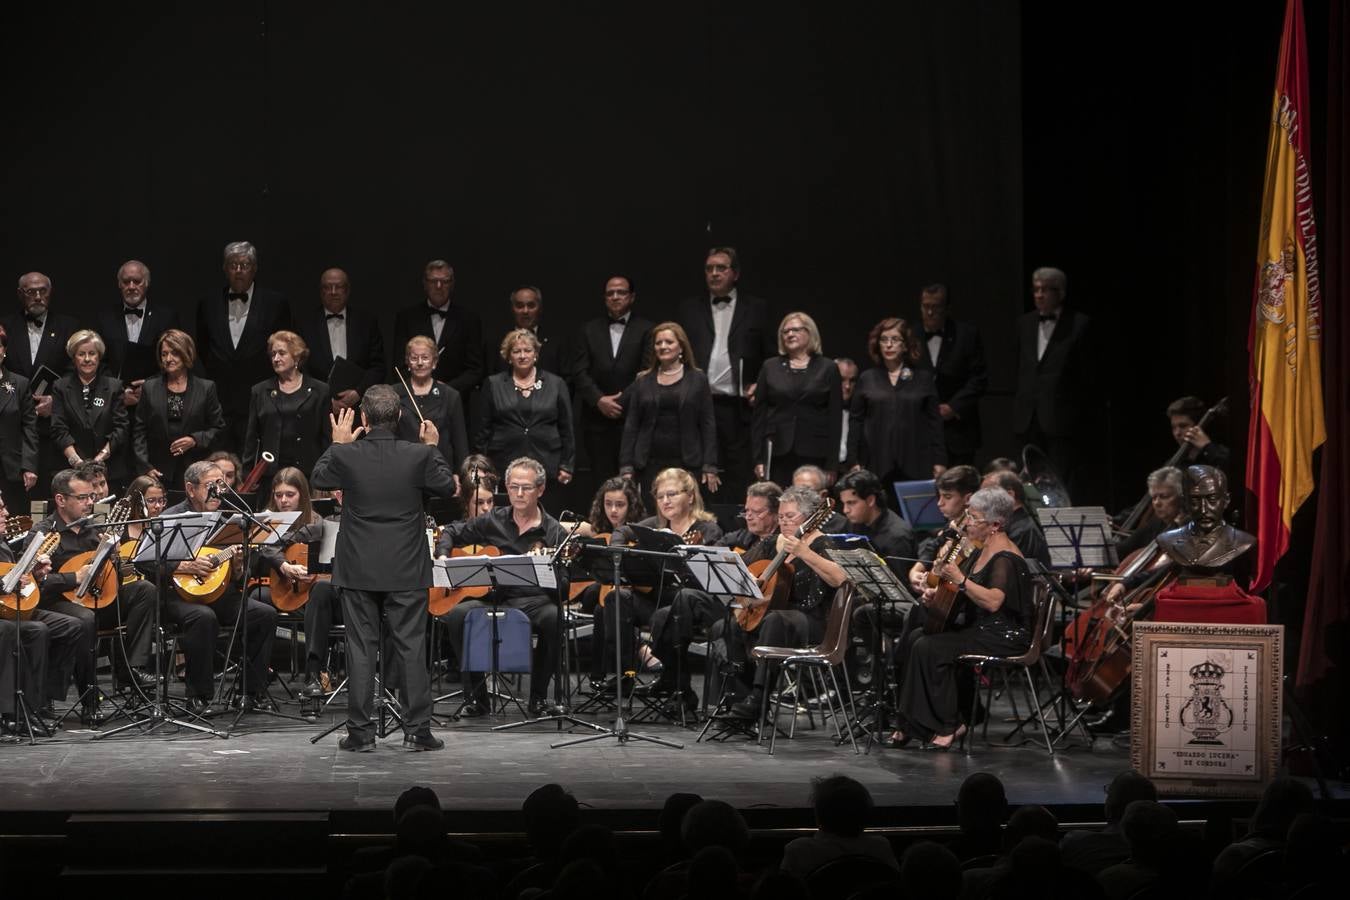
(445, 408)
(752, 339)
(235, 370)
(1057, 388)
(365, 344)
(104, 422)
(152, 432)
(896, 427)
(698, 428)
(596, 371)
(112, 327)
(539, 427)
(801, 412)
(18, 430)
(962, 378)
(382, 543)
(294, 438)
(461, 344)
(51, 352)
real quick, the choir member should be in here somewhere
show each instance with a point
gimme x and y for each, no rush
(798, 404)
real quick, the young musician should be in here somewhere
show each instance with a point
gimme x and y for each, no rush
(616, 503)
(955, 488)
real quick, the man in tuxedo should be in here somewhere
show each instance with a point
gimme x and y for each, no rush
(132, 321)
(1054, 375)
(527, 310)
(36, 338)
(456, 329)
(606, 356)
(233, 326)
(335, 329)
(848, 380)
(952, 349)
(731, 335)
(383, 481)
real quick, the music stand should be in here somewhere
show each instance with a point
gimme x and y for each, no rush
(1078, 536)
(166, 540)
(636, 567)
(22, 712)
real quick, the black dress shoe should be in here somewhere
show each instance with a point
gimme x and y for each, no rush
(354, 744)
(139, 677)
(472, 710)
(199, 706)
(259, 701)
(749, 708)
(423, 740)
(313, 686)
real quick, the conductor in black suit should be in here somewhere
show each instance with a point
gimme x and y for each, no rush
(232, 330)
(606, 356)
(335, 329)
(457, 329)
(132, 321)
(37, 338)
(381, 561)
(731, 335)
(952, 350)
(1054, 374)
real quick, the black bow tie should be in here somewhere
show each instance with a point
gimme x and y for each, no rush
(433, 311)
(1049, 318)
(623, 321)
(35, 319)
(133, 311)
(339, 316)
(721, 301)
(240, 297)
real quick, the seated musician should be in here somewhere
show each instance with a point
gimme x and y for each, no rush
(1184, 415)
(520, 527)
(50, 643)
(290, 493)
(679, 509)
(1168, 506)
(814, 579)
(74, 499)
(616, 503)
(478, 485)
(863, 498)
(200, 623)
(999, 587)
(760, 514)
(954, 489)
(1022, 528)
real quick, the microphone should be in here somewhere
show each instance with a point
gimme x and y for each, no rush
(213, 490)
(79, 523)
(568, 516)
(107, 499)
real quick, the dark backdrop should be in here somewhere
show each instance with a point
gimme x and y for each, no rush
(853, 154)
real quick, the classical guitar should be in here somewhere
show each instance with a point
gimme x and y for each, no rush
(24, 600)
(207, 588)
(289, 594)
(98, 588)
(940, 611)
(775, 576)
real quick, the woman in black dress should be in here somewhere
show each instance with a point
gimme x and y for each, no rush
(999, 619)
(669, 421)
(437, 402)
(616, 503)
(89, 422)
(288, 414)
(526, 412)
(18, 435)
(894, 426)
(799, 404)
(179, 416)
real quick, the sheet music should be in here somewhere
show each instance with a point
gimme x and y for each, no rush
(869, 574)
(12, 577)
(1077, 536)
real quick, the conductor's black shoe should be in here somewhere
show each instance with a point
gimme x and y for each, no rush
(355, 745)
(313, 686)
(472, 710)
(423, 740)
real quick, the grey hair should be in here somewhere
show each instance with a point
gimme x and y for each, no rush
(381, 406)
(1169, 476)
(134, 262)
(241, 248)
(807, 500)
(816, 471)
(196, 473)
(527, 287)
(1051, 277)
(993, 503)
(525, 462)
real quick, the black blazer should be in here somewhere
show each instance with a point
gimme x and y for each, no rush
(18, 430)
(382, 542)
(88, 430)
(295, 438)
(236, 370)
(896, 427)
(803, 413)
(112, 327)
(461, 343)
(751, 341)
(51, 352)
(962, 378)
(1057, 388)
(445, 408)
(539, 427)
(152, 432)
(698, 429)
(596, 371)
(365, 344)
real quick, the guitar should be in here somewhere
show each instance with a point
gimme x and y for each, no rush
(442, 600)
(98, 588)
(289, 594)
(941, 611)
(774, 576)
(207, 588)
(21, 603)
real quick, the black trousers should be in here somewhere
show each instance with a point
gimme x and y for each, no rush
(199, 625)
(779, 628)
(323, 610)
(44, 632)
(406, 618)
(542, 611)
(732, 415)
(673, 628)
(633, 608)
(134, 605)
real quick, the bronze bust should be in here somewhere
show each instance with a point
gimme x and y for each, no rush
(1206, 545)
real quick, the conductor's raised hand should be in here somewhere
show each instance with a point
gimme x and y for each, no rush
(343, 432)
(428, 434)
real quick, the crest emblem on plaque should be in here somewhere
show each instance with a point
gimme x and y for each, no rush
(1206, 715)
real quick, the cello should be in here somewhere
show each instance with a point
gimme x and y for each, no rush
(1143, 506)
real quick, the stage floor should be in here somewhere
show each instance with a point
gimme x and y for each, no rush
(270, 764)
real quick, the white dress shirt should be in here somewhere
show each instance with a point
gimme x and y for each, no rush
(337, 334)
(238, 315)
(935, 347)
(616, 327)
(438, 322)
(1043, 332)
(720, 377)
(35, 338)
(134, 323)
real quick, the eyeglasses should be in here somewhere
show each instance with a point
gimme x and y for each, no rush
(421, 359)
(155, 501)
(669, 495)
(522, 488)
(440, 282)
(887, 341)
(617, 293)
(716, 267)
(35, 291)
(82, 498)
(239, 266)
(793, 329)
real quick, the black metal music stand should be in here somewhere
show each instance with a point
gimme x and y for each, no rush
(22, 712)
(166, 540)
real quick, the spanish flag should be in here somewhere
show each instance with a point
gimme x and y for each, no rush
(1285, 342)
